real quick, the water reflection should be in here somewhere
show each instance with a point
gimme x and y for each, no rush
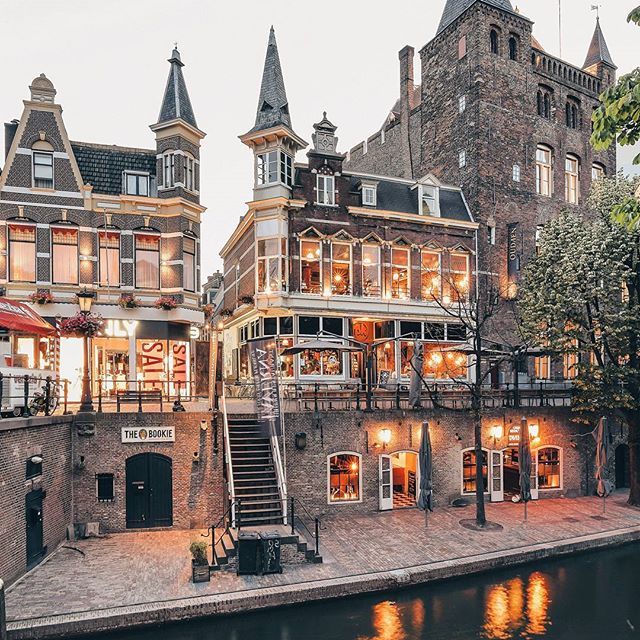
(387, 622)
(537, 604)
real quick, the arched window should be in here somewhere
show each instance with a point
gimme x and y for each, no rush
(42, 152)
(344, 477)
(371, 266)
(549, 468)
(547, 106)
(597, 172)
(544, 102)
(571, 179)
(572, 114)
(469, 471)
(495, 44)
(543, 170)
(513, 48)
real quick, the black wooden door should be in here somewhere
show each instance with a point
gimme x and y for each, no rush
(149, 491)
(34, 518)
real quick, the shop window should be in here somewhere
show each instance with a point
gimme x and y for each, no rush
(286, 325)
(434, 331)
(42, 170)
(469, 471)
(308, 325)
(344, 477)
(33, 467)
(385, 329)
(104, 487)
(271, 262)
(400, 273)
(270, 326)
(571, 179)
(459, 276)
(386, 362)
(64, 255)
(109, 262)
(311, 266)
(333, 325)
(189, 263)
(147, 261)
(430, 265)
(411, 329)
(340, 269)
(442, 364)
(371, 271)
(543, 171)
(549, 468)
(22, 253)
(321, 363)
(456, 332)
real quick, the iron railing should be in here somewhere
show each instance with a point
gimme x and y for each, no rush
(226, 523)
(298, 512)
(142, 392)
(31, 395)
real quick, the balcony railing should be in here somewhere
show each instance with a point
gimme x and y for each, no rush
(27, 395)
(349, 396)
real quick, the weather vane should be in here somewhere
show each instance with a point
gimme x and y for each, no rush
(596, 8)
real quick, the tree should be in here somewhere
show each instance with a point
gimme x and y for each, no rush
(580, 297)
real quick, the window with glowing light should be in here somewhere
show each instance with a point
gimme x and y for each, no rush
(469, 471)
(22, 253)
(311, 266)
(147, 258)
(189, 263)
(459, 276)
(64, 255)
(430, 264)
(570, 362)
(340, 269)
(371, 271)
(386, 361)
(321, 363)
(542, 367)
(400, 284)
(344, 477)
(271, 271)
(442, 364)
(571, 179)
(549, 468)
(109, 262)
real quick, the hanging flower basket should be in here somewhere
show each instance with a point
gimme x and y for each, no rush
(83, 325)
(208, 311)
(128, 301)
(41, 296)
(165, 302)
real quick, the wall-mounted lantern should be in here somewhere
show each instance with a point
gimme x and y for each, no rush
(301, 440)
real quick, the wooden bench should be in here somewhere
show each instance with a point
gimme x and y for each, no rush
(139, 396)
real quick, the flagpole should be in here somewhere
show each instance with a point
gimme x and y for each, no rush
(560, 26)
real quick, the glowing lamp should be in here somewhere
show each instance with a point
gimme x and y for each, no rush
(496, 432)
(385, 436)
(534, 430)
(85, 300)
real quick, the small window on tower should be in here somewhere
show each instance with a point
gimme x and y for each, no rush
(462, 159)
(516, 173)
(462, 47)
(513, 48)
(494, 43)
(462, 104)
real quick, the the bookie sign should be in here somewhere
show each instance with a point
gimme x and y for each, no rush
(264, 368)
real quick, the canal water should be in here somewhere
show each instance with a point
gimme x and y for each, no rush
(586, 597)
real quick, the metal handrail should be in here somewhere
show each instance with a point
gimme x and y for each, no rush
(170, 389)
(315, 534)
(212, 530)
(229, 463)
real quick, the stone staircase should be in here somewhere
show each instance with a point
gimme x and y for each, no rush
(254, 474)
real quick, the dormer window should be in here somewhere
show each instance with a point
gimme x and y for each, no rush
(369, 195)
(326, 190)
(43, 170)
(429, 200)
(136, 184)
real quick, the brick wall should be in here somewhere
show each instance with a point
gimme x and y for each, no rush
(20, 439)
(197, 487)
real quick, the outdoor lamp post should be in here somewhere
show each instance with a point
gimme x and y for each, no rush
(85, 300)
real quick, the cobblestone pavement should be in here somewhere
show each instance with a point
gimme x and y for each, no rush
(147, 567)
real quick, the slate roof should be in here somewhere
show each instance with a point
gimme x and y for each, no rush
(176, 102)
(273, 106)
(455, 8)
(598, 50)
(102, 165)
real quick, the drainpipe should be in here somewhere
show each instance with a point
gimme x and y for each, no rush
(3, 613)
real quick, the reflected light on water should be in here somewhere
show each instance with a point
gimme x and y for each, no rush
(538, 601)
(387, 622)
(417, 614)
(497, 614)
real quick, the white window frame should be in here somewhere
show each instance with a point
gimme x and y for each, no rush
(462, 103)
(286, 169)
(462, 159)
(597, 172)
(572, 179)
(168, 169)
(280, 257)
(190, 173)
(139, 176)
(360, 473)
(423, 272)
(195, 263)
(516, 173)
(52, 254)
(342, 263)
(540, 364)
(43, 154)
(424, 192)
(322, 376)
(407, 294)
(325, 190)
(369, 195)
(102, 282)
(560, 460)
(320, 263)
(544, 169)
(378, 263)
(463, 295)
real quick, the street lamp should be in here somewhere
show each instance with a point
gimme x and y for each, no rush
(85, 300)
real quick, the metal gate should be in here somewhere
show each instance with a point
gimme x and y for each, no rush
(149, 491)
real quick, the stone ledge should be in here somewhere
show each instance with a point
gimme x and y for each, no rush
(117, 618)
(12, 424)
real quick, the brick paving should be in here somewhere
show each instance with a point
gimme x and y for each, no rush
(142, 568)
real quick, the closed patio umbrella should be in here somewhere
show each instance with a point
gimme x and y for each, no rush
(524, 462)
(415, 386)
(425, 455)
(602, 454)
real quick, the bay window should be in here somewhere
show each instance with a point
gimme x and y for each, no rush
(325, 190)
(371, 270)
(109, 260)
(147, 260)
(340, 269)
(459, 276)
(286, 169)
(42, 170)
(267, 168)
(571, 179)
(189, 263)
(272, 265)
(64, 255)
(400, 279)
(22, 253)
(311, 266)
(543, 171)
(430, 262)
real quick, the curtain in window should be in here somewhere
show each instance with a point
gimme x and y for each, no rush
(109, 259)
(65, 256)
(22, 253)
(189, 264)
(147, 262)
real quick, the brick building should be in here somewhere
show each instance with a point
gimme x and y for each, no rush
(118, 221)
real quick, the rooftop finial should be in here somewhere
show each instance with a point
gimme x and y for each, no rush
(42, 89)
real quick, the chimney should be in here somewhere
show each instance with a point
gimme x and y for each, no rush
(406, 56)
(10, 129)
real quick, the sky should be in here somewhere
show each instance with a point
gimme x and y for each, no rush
(107, 60)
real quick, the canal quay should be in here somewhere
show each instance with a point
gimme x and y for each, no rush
(126, 580)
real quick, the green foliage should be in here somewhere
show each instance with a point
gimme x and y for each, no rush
(616, 199)
(634, 16)
(198, 552)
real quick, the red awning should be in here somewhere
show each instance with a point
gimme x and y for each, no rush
(19, 316)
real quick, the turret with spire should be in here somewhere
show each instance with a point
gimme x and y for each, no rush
(272, 137)
(177, 138)
(599, 61)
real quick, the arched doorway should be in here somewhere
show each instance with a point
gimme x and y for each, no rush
(149, 488)
(622, 466)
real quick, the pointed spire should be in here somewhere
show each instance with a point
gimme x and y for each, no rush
(176, 103)
(598, 50)
(273, 106)
(455, 8)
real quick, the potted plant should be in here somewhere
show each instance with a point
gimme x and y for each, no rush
(41, 296)
(199, 563)
(83, 325)
(165, 302)
(246, 299)
(226, 313)
(128, 301)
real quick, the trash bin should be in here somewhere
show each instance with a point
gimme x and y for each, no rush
(248, 547)
(270, 542)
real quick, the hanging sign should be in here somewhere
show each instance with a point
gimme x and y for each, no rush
(151, 434)
(265, 379)
(513, 436)
(513, 256)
